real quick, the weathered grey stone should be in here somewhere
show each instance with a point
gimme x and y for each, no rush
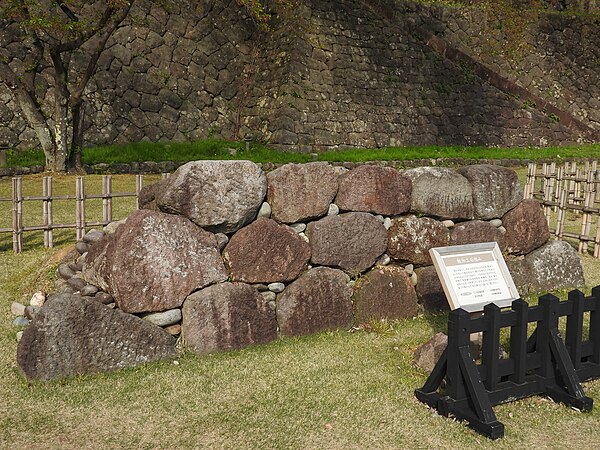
(19, 336)
(276, 287)
(556, 265)
(20, 322)
(71, 336)
(112, 227)
(265, 210)
(31, 311)
(476, 231)
(227, 316)
(82, 247)
(496, 189)
(298, 227)
(298, 192)
(17, 309)
(428, 354)
(318, 300)
(496, 222)
(410, 238)
(333, 210)
(164, 318)
(219, 196)
(526, 227)
(222, 241)
(173, 330)
(374, 189)
(154, 261)
(350, 241)
(384, 293)
(76, 283)
(65, 272)
(429, 289)
(266, 252)
(92, 236)
(441, 192)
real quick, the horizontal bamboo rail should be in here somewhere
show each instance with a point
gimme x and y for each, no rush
(47, 198)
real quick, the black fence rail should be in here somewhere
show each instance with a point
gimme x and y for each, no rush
(538, 363)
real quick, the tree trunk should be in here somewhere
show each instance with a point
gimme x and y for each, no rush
(78, 111)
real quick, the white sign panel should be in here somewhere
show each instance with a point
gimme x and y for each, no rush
(474, 275)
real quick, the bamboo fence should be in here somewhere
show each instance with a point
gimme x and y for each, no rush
(568, 191)
(47, 198)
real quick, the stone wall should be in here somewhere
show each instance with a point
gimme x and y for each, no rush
(343, 73)
(227, 256)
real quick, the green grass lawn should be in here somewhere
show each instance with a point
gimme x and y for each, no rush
(334, 390)
(218, 149)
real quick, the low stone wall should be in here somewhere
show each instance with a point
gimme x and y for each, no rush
(224, 255)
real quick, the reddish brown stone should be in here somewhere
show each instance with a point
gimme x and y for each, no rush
(526, 228)
(429, 289)
(476, 231)
(148, 194)
(351, 241)
(410, 238)
(374, 189)
(227, 316)
(428, 354)
(384, 293)
(154, 261)
(266, 252)
(318, 300)
(298, 192)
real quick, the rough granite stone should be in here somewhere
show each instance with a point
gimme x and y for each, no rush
(384, 293)
(374, 189)
(298, 192)
(266, 252)
(71, 336)
(428, 354)
(319, 300)
(148, 194)
(227, 316)
(429, 289)
(410, 238)
(526, 227)
(496, 189)
(350, 241)
(475, 232)
(219, 196)
(440, 192)
(154, 261)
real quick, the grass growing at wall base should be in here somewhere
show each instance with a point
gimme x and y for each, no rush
(219, 149)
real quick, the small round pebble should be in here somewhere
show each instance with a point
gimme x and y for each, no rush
(20, 322)
(31, 311)
(104, 297)
(501, 229)
(269, 296)
(304, 236)
(496, 222)
(333, 210)
(265, 210)
(276, 287)
(82, 247)
(65, 272)
(387, 223)
(38, 299)
(384, 260)
(89, 290)
(298, 227)
(448, 223)
(17, 309)
(19, 336)
(222, 241)
(409, 268)
(413, 278)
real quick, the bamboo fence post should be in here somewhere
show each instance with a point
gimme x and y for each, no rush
(107, 198)
(80, 207)
(50, 213)
(139, 183)
(17, 215)
(586, 219)
(47, 210)
(559, 186)
(529, 186)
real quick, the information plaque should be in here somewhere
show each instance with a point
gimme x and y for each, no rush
(474, 275)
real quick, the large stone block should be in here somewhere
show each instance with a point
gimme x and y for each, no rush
(350, 241)
(219, 196)
(374, 189)
(441, 192)
(318, 300)
(429, 289)
(154, 261)
(526, 227)
(410, 238)
(496, 189)
(555, 265)
(266, 252)
(227, 316)
(384, 293)
(71, 335)
(299, 192)
(476, 231)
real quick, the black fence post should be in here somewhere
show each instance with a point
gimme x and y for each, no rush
(574, 331)
(491, 346)
(595, 326)
(518, 341)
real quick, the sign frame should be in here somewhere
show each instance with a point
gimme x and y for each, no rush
(486, 264)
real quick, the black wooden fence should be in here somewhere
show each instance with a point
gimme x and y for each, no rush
(539, 363)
